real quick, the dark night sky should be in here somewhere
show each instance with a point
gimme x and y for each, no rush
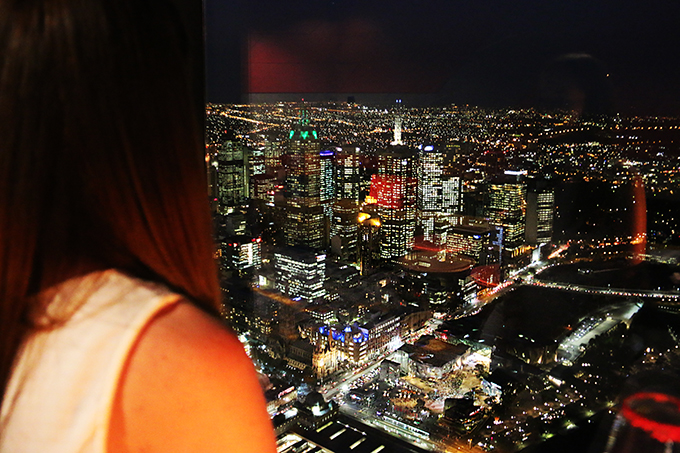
(483, 52)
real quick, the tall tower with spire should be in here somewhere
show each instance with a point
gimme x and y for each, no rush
(397, 132)
(302, 188)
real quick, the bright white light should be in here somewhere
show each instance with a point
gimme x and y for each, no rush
(515, 172)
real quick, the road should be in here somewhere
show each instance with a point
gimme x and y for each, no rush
(607, 291)
(332, 389)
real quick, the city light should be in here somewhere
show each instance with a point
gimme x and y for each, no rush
(463, 279)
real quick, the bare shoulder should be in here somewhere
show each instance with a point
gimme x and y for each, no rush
(189, 386)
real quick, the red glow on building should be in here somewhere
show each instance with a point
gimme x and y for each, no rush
(421, 244)
(486, 276)
(390, 191)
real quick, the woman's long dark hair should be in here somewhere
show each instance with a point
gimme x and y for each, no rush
(101, 155)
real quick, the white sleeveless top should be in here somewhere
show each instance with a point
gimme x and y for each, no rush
(61, 392)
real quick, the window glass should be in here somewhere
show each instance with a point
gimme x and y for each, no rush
(448, 226)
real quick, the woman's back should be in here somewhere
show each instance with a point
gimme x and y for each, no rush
(133, 368)
(102, 167)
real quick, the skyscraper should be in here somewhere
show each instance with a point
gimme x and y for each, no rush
(369, 246)
(242, 253)
(540, 213)
(347, 179)
(272, 155)
(345, 229)
(327, 181)
(452, 195)
(430, 188)
(302, 188)
(233, 176)
(505, 208)
(394, 190)
(264, 188)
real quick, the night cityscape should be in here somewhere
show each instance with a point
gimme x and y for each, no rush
(447, 278)
(448, 226)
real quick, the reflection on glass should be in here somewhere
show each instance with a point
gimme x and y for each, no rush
(648, 422)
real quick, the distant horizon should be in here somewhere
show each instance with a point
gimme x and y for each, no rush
(598, 56)
(408, 100)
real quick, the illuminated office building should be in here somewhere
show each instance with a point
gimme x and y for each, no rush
(273, 150)
(345, 229)
(430, 194)
(452, 196)
(347, 179)
(505, 208)
(265, 187)
(242, 253)
(327, 181)
(302, 188)
(472, 241)
(394, 191)
(540, 213)
(300, 274)
(233, 176)
(440, 235)
(439, 191)
(256, 162)
(256, 167)
(545, 204)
